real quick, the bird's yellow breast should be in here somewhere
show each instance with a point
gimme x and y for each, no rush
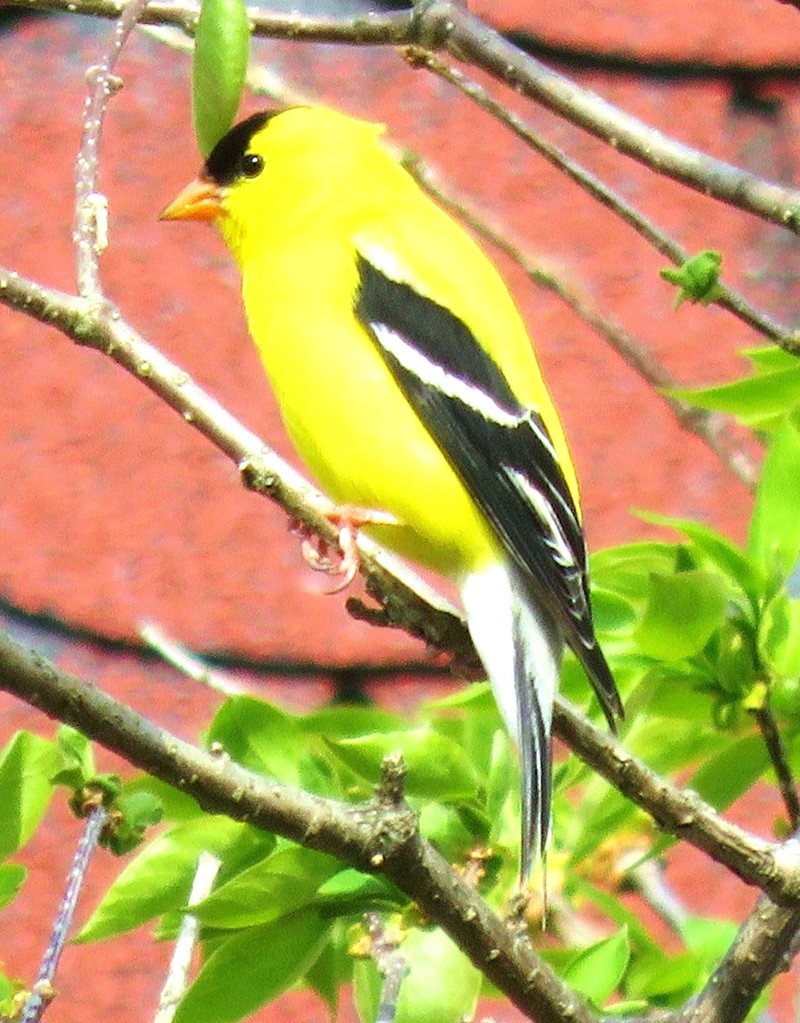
(347, 417)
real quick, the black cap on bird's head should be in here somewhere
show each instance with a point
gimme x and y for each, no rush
(228, 161)
(225, 161)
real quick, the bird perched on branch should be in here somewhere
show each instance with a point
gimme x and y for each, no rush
(409, 386)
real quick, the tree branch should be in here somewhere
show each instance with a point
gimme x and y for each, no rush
(177, 979)
(763, 948)
(728, 297)
(369, 29)
(447, 25)
(380, 836)
(682, 813)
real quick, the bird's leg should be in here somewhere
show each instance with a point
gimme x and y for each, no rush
(347, 519)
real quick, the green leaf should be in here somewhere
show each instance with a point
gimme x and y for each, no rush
(784, 700)
(638, 937)
(7, 991)
(755, 401)
(774, 539)
(471, 727)
(350, 892)
(683, 611)
(628, 1007)
(219, 68)
(779, 636)
(710, 939)
(76, 751)
(260, 736)
(445, 827)
(596, 972)
(437, 767)
(11, 879)
(731, 772)
(342, 722)
(769, 359)
(177, 806)
(733, 658)
(610, 611)
(271, 888)
(475, 697)
(697, 278)
(26, 765)
(499, 784)
(716, 549)
(598, 820)
(159, 879)
(137, 811)
(625, 570)
(442, 985)
(332, 969)
(670, 745)
(672, 691)
(664, 980)
(252, 967)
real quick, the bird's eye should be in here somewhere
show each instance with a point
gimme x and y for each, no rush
(252, 165)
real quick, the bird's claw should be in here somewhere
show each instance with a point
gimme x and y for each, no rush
(323, 557)
(343, 559)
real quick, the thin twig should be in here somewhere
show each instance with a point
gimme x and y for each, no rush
(367, 29)
(43, 989)
(647, 876)
(186, 662)
(728, 298)
(391, 963)
(448, 25)
(90, 233)
(175, 984)
(780, 762)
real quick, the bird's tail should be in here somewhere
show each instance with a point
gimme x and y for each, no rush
(521, 653)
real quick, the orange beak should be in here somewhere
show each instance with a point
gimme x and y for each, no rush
(200, 200)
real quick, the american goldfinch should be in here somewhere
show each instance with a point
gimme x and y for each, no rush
(409, 386)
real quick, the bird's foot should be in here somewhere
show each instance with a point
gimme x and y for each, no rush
(342, 560)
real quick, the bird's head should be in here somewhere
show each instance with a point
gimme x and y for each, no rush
(275, 166)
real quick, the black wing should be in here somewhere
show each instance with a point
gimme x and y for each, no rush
(501, 451)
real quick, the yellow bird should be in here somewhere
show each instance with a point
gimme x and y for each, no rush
(410, 388)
